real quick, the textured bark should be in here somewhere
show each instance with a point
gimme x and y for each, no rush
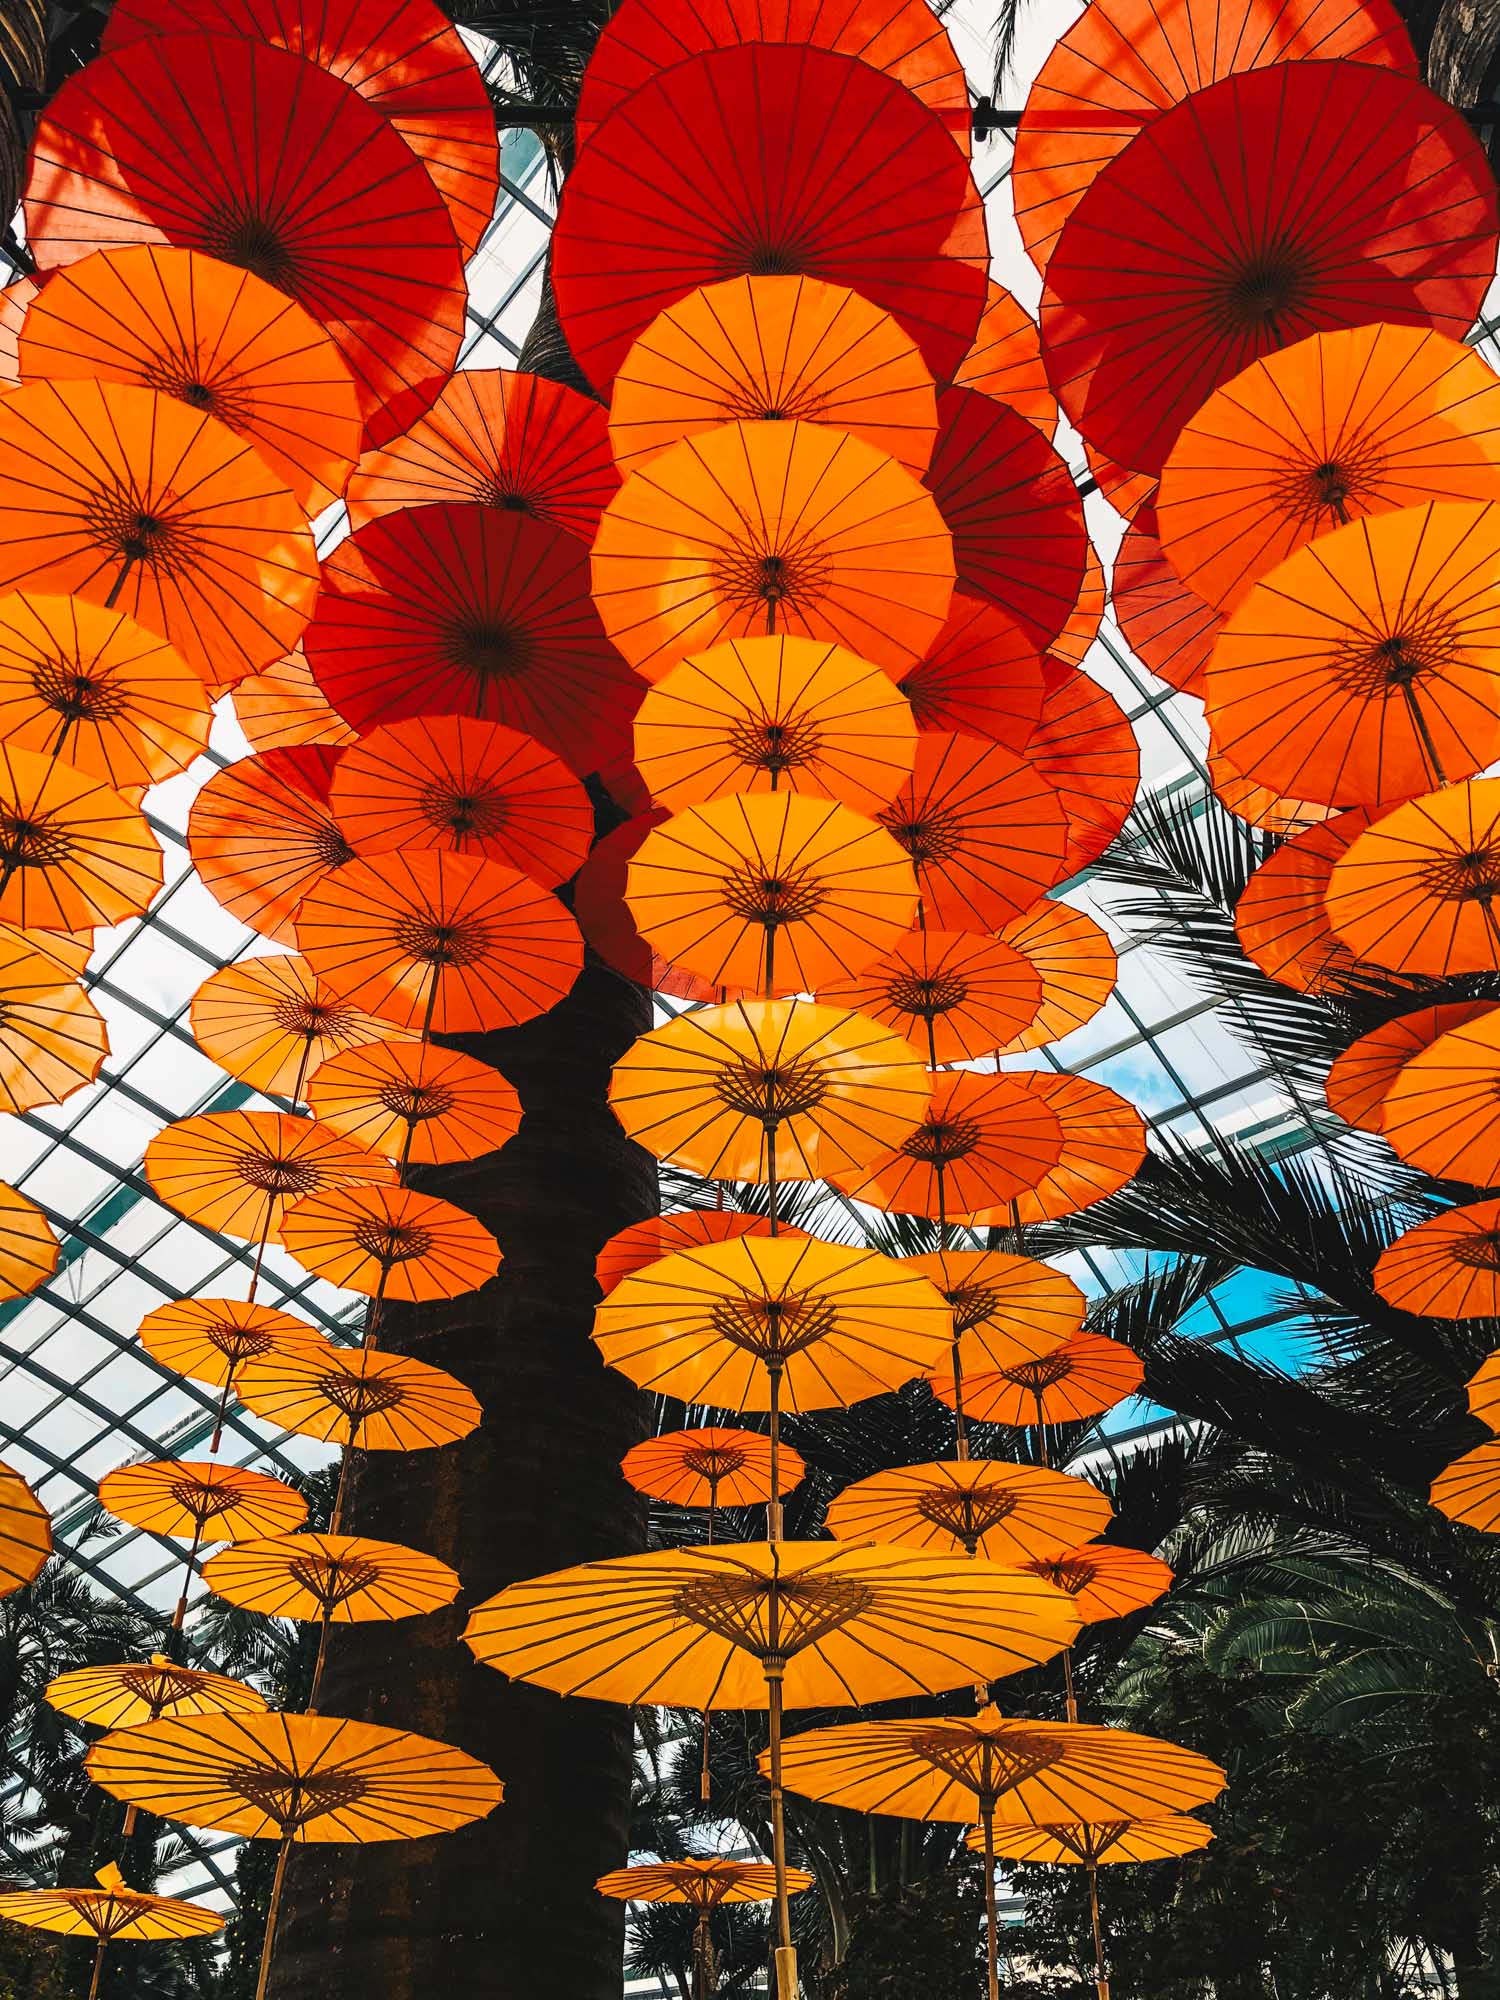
(507, 1908)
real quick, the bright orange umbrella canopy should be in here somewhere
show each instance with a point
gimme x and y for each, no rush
(219, 339)
(391, 1243)
(1005, 361)
(28, 1248)
(465, 786)
(94, 688)
(710, 1467)
(1091, 1843)
(1168, 628)
(1087, 1375)
(262, 834)
(1327, 431)
(1364, 1077)
(212, 1339)
(362, 1397)
(1415, 892)
(705, 1882)
(14, 299)
(1442, 1109)
(73, 853)
(271, 1022)
(440, 940)
(1105, 1580)
(26, 1531)
(1084, 746)
(1071, 646)
(1469, 1489)
(753, 529)
(1015, 1308)
(1103, 1143)
(606, 922)
(201, 141)
(408, 62)
(769, 158)
(771, 892)
(1261, 805)
(1280, 918)
(345, 1579)
(1366, 667)
(985, 832)
(774, 350)
(1447, 1267)
(112, 1913)
(726, 1090)
(1121, 64)
(957, 994)
(1005, 1513)
(239, 1171)
(1484, 1391)
(984, 1139)
(499, 439)
(283, 706)
(204, 1500)
(117, 493)
(52, 1036)
(1075, 961)
(982, 676)
(414, 1101)
(775, 714)
(118, 1697)
(659, 1235)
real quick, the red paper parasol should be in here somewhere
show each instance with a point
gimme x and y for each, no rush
(982, 676)
(1085, 747)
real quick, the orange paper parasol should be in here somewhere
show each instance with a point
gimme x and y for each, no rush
(212, 1339)
(1075, 961)
(769, 349)
(1442, 1107)
(471, 787)
(769, 1088)
(391, 1243)
(97, 690)
(112, 1913)
(984, 831)
(982, 676)
(1363, 1079)
(202, 1501)
(283, 706)
(1071, 646)
(1092, 1843)
(440, 941)
(359, 1396)
(606, 922)
(1005, 1513)
(1280, 918)
(1104, 1142)
(686, 1229)
(416, 1102)
(25, 1532)
(756, 715)
(1016, 1308)
(1084, 1377)
(341, 1579)
(271, 1022)
(498, 439)
(262, 834)
(1336, 427)
(1169, 630)
(1469, 1489)
(1365, 668)
(752, 529)
(1086, 749)
(1005, 361)
(119, 1697)
(135, 500)
(73, 853)
(711, 1467)
(217, 338)
(1105, 1580)
(1447, 1267)
(52, 1036)
(705, 1882)
(237, 1172)
(28, 1248)
(14, 299)
(1415, 892)
(1484, 1391)
(956, 994)
(769, 158)
(984, 1139)
(202, 141)
(771, 893)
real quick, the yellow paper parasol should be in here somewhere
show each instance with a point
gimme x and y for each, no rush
(201, 1499)
(1016, 1308)
(391, 1243)
(52, 1037)
(704, 1884)
(118, 1697)
(338, 1579)
(25, 1532)
(1093, 1843)
(239, 1171)
(112, 1913)
(373, 1401)
(211, 1339)
(1005, 1513)
(1105, 1580)
(272, 1021)
(73, 852)
(28, 1248)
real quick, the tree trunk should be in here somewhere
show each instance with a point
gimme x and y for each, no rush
(505, 1909)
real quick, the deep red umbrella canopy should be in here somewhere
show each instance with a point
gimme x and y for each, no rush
(982, 677)
(1012, 509)
(205, 141)
(1169, 630)
(763, 159)
(1276, 204)
(402, 56)
(469, 610)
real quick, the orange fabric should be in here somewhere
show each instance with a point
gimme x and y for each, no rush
(239, 1171)
(1016, 1308)
(283, 706)
(791, 715)
(711, 1467)
(1442, 1110)
(703, 1881)
(770, 892)
(217, 338)
(780, 157)
(1447, 1266)
(414, 1101)
(404, 58)
(262, 834)
(1280, 918)
(901, 37)
(1084, 746)
(773, 350)
(1005, 361)
(345, 1579)
(644, 1242)
(1469, 1489)
(14, 299)
(211, 1339)
(112, 1913)
(202, 1499)
(467, 787)
(1125, 61)
(1131, 494)
(1363, 669)
(271, 1022)
(604, 916)
(73, 853)
(1334, 428)
(497, 438)
(1092, 1843)
(982, 676)
(1362, 1079)
(207, 142)
(25, 1532)
(1013, 511)
(391, 1243)
(706, 1090)
(1200, 248)
(984, 1140)
(759, 528)
(1169, 630)
(28, 1247)
(97, 690)
(984, 830)
(1106, 1581)
(1071, 646)
(360, 1396)
(52, 1036)
(1076, 963)
(119, 1695)
(110, 490)
(955, 994)
(1261, 805)
(1084, 1377)
(1104, 1142)
(1415, 892)
(440, 939)
(1005, 1513)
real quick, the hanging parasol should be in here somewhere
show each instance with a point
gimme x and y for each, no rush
(261, 834)
(658, 1236)
(1447, 1267)
(1075, 961)
(202, 1501)
(957, 994)
(1415, 892)
(1073, 643)
(1442, 1110)
(1092, 1843)
(1005, 361)
(1105, 1580)
(52, 1036)
(283, 706)
(357, 1395)
(1005, 1513)
(73, 853)
(704, 1884)
(238, 1172)
(1468, 1490)
(391, 1243)
(211, 1339)
(1170, 631)
(982, 676)
(28, 1247)
(337, 1579)
(1087, 1375)
(272, 1023)
(774, 350)
(415, 1102)
(1367, 1074)
(1084, 746)
(1016, 1308)
(755, 529)
(1103, 1145)
(711, 1467)
(1280, 919)
(605, 920)
(119, 1697)
(25, 1532)
(112, 1913)
(984, 1139)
